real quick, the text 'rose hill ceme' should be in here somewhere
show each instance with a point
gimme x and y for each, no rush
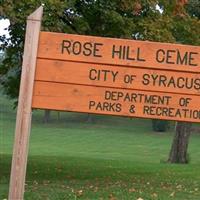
(129, 53)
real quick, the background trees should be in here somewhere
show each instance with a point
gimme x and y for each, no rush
(163, 21)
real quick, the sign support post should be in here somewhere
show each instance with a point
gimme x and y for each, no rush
(24, 111)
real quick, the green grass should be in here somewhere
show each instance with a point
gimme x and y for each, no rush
(111, 158)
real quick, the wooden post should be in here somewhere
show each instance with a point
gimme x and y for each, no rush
(24, 111)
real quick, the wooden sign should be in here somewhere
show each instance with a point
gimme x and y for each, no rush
(159, 80)
(101, 75)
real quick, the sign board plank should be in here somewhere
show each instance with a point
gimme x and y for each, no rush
(119, 52)
(110, 101)
(117, 76)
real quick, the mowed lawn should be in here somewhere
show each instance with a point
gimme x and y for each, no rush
(110, 158)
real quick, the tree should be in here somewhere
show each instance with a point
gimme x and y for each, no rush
(178, 153)
(134, 19)
(160, 125)
(184, 25)
(193, 8)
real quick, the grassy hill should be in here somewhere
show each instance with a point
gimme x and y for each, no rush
(110, 158)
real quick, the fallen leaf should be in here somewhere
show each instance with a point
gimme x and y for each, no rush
(154, 195)
(112, 197)
(132, 190)
(96, 189)
(172, 194)
(35, 182)
(179, 186)
(79, 193)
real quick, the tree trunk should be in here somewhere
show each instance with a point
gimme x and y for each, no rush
(90, 118)
(46, 117)
(178, 153)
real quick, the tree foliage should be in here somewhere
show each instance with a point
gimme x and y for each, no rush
(193, 8)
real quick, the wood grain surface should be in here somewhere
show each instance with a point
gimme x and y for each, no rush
(118, 77)
(110, 101)
(123, 52)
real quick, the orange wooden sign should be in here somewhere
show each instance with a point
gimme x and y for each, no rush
(117, 76)
(92, 65)
(119, 52)
(110, 101)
